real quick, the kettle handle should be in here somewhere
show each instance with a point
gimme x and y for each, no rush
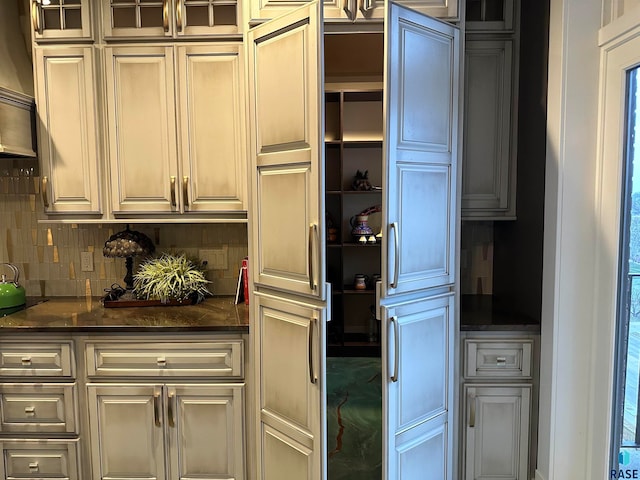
(16, 272)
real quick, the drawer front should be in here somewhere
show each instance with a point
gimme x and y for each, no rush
(29, 408)
(489, 358)
(31, 460)
(36, 359)
(182, 359)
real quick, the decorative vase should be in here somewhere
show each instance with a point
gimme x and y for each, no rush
(360, 227)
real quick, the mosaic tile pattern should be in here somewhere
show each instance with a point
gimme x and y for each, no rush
(48, 255)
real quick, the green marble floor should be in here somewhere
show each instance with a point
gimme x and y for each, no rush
(354, 417)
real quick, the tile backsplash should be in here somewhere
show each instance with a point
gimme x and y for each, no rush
(48, 255)
(476, 258)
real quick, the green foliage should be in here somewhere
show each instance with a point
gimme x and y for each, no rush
(170, 277)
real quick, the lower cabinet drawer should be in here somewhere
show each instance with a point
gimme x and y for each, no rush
(36, 359)
(498, 358)
(183, 359)
(39, 459)
(36, 408)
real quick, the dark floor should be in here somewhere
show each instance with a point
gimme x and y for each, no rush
(354, 417)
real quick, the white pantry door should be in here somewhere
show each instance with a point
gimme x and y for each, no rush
(417, 298)
(286, 235)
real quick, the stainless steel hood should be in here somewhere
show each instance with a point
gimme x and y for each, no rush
(17, 111)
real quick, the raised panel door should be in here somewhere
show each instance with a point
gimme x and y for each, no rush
(496, 432)
(142, 129)
(289, 349)
(286, 154)
(206, 436)
(126, 429)
(68, 129)
(374, 9)
(212, 127)
(488, 167)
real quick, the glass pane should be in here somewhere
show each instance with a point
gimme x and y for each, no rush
(52, 19)
(71, 2)
(156, 2)
(474, 11)
(493, 11)
(224, 15)
(121, 1)
(151, 16)
(124, 17)
(53, 2)
(627, 421)
(72, 18)
(197, 16)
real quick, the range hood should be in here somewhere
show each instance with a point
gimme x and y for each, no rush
(17, 111)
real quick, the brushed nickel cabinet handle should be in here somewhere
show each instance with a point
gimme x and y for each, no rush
(179, 15)
(171, 398)
(34, 467)
(501, 361)
(26, 361)
(156, 408)
(313, 378)
(45, 196)
(173, 191)
(347, 10)
(165, 15)
(396, 348)
(161, 361)
(185, 191)
(365, 6)
(472, 409)
(396, 256)
(313, 233)
(30, 411)
(35, 17)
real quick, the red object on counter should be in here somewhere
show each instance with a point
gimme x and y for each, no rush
(245, 279)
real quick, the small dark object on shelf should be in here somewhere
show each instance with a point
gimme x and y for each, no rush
(361, 181)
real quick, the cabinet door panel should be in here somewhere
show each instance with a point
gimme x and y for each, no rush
(211, 100)
(205, 431)
(374, 9)
(286, 153)
(487, 164)
(65, 85)
(289, 351)
(126, 431)
(497, 431)
(142, 136)
(70, 20)
(340, 10)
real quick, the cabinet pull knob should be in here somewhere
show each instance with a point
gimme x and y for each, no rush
(165, 15)
(172, 399)
(501, 360)
(34, 467)
(393, 321)
(396, 254)
(26, 361)
(313, 233)
(30, 411)
(161, 361)
(173, 191)
(185, 191)
(45, 196)
(347, 10)
(313, 378)
(156, 409)
(179, 15)
(365, 6)
(472, 410)
(35, 17)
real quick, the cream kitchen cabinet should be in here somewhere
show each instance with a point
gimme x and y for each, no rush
(68, 130)
(498, 406)
(166, 410)
(39, 428)
(347, 11)
(62, 20)
(170, 18)
(175, 117)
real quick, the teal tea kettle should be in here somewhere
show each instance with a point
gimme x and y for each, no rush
(11, 293)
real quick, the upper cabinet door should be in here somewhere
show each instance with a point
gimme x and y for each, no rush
(61, 20)
(67, 126)
(286, 154)
(142, 129)
(375, 9)
(341, 10)
(421, 150)
(170, 18)
(211, 127)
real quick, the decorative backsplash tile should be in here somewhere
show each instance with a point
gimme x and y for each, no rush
(48, 255)
(476, 258)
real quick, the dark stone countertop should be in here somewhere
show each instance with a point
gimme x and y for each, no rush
(487, 313)
(86, 314)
